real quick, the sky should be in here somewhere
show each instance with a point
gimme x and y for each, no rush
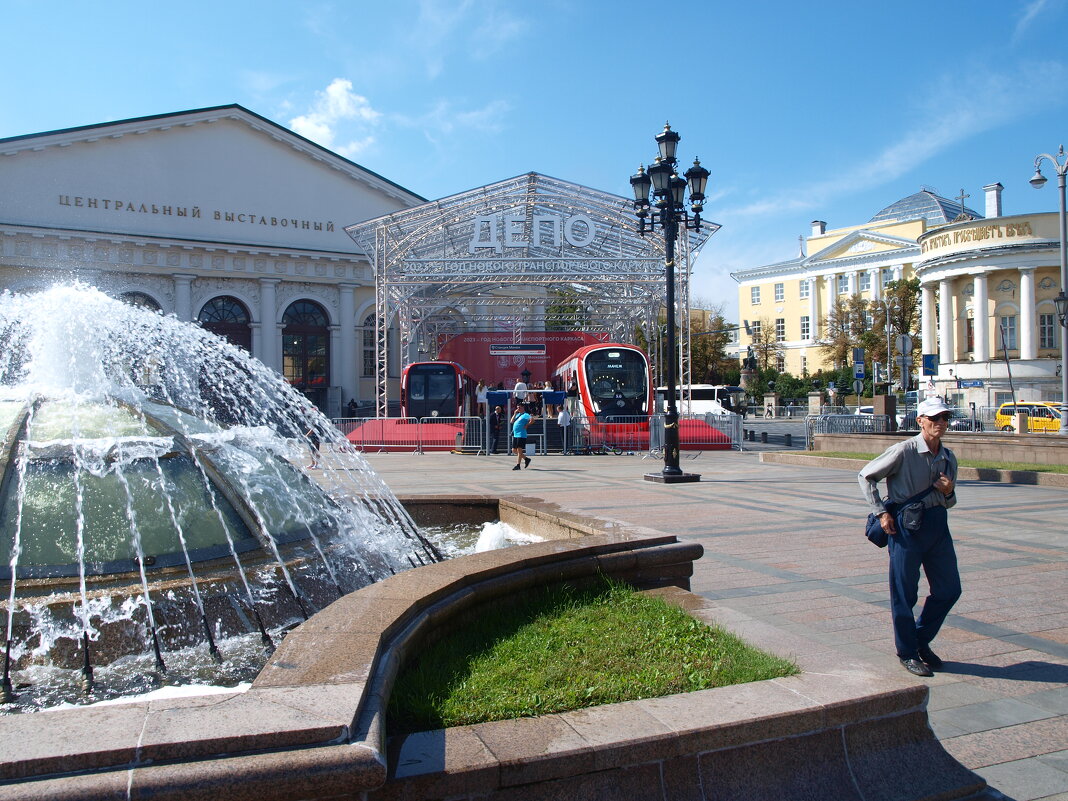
(830, 110)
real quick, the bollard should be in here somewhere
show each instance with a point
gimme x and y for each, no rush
(788, 440)
(763, 436)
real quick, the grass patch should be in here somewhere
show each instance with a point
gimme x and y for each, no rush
(557, 649)
(977, 463)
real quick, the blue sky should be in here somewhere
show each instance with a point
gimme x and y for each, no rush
(827, 110)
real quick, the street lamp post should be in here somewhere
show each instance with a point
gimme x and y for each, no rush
(669, 192)
(1060, 165)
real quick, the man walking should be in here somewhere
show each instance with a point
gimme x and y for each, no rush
(921, 476)
(520, 421)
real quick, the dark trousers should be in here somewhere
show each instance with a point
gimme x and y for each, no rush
(931, 547)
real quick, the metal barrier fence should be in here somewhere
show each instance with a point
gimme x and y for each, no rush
(617, 434)
(844, 424)
(466, 434)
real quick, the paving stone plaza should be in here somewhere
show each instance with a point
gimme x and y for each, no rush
(783, 544)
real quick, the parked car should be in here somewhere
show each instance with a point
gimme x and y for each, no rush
(959, 422)
(1040, 416)
(865, 410)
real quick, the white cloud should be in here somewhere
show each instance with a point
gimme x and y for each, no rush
(338, 108)
(1030, 12)
(471, 28)
(444, 119)
(955, 110)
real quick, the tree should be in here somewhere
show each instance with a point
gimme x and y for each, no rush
(567, 312)
(766, 344)
(845, 327)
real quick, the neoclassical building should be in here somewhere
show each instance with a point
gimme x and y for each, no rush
(980, 275)
(215, 215)
(987, 308)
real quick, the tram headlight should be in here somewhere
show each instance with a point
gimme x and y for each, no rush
(434, 413)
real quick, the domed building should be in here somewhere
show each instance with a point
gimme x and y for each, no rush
(987, 288)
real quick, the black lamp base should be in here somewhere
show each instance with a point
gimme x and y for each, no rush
(676, 478)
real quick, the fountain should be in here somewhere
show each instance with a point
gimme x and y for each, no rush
(156, 519)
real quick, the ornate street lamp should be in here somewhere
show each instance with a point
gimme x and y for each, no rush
(1060, 165)
(669, 192)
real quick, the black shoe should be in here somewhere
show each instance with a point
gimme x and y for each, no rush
(929, 657)
(916, 667)
(516, 467)
(526, 461)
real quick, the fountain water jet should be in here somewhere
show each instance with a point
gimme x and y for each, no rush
(152, 487)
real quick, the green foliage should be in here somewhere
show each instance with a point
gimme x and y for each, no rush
(557, 649)
(567, 312)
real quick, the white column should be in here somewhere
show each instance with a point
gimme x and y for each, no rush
(269, 343)
(981, 319)
(945, 322)
(927, 318)
(335, 357)
(813, 311)
(183, 297)
(852, 285)
(876, 284)
(1027, 314)
(346, 376)
(897, 272)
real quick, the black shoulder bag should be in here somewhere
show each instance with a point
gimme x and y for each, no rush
(873, 529)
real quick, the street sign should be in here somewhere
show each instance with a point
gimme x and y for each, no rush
(903, 343)
(858, 371)
(930, 364)
(858, 355)
(858, 387)
(970, 383)
(903, 361)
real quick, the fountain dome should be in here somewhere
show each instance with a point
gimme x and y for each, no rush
(153, 493)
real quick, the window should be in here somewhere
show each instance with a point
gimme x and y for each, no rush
(805, 288)
(843, 285)
(227, 317)
(865, 281)
(888, 275)
(868, 321)
(754, 295)
(780, 364)
(369, 346)
(306, 349)
(141, 300)
(1046, 330)
(755, 326)
(780, 293)
(806, 327)
(969, 335)
(780, 329)
(1008, 330)
(804, 366)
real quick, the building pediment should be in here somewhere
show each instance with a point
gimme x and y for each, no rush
(863, 245)
(221, 174)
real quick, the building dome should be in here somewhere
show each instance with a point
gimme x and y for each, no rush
(934, 208)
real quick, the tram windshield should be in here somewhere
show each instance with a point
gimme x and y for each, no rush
(619, 382)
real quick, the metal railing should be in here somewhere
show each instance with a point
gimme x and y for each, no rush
(383, 434)
(844, 424)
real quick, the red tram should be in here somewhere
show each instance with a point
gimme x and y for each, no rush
(615, 393)
(437, 389)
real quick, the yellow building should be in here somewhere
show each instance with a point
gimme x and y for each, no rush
(987, 288)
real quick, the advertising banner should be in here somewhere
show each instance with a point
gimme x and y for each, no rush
(539, 353)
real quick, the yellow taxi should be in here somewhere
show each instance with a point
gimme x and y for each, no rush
(1040, 416)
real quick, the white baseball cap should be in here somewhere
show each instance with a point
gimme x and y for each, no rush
(929, 407)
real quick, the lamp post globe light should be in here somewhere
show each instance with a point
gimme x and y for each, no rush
(1060, 165)
(668, 209)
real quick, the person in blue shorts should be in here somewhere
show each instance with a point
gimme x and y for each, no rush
(520, 421)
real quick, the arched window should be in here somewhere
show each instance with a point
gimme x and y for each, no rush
(306, 349)
(227, 317)
(140, 299)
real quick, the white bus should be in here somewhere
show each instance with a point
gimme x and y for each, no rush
(704, 398)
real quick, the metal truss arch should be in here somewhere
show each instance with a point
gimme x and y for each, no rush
(505, 254)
